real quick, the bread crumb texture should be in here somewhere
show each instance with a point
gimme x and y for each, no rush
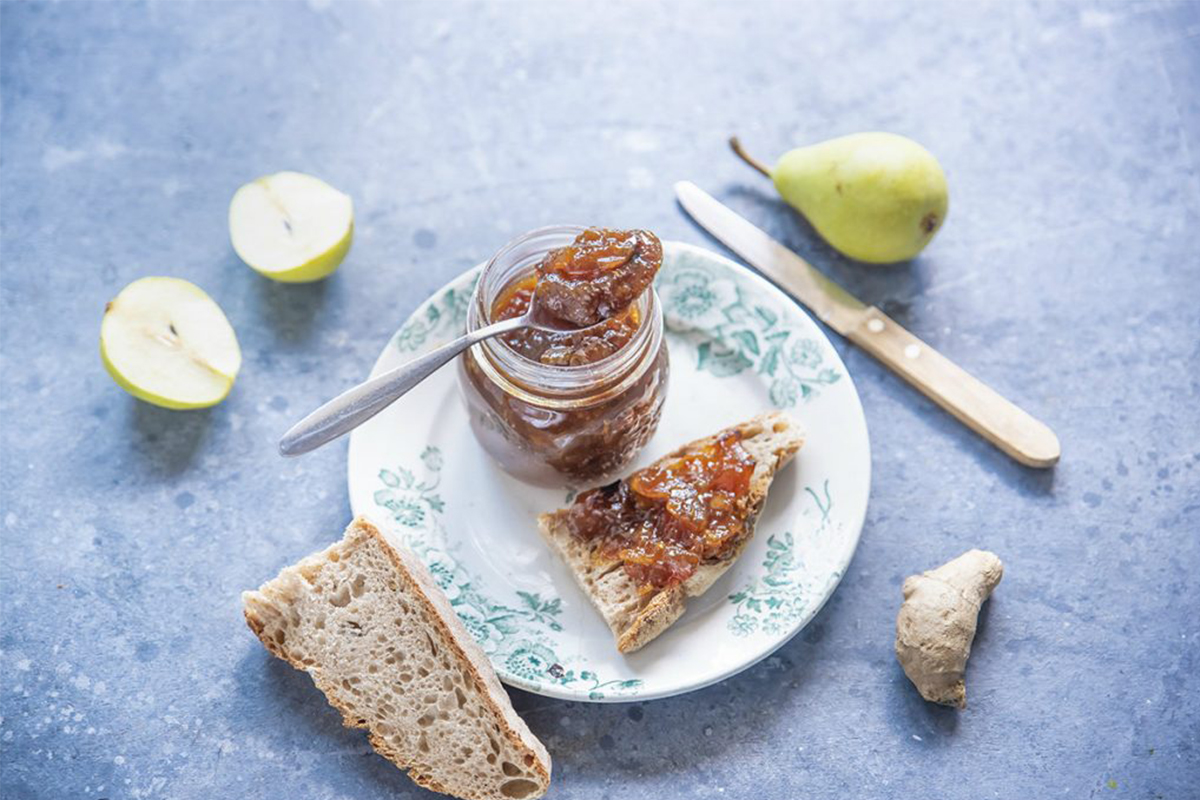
(366, 621)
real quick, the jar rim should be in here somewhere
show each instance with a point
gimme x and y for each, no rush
(511, 262)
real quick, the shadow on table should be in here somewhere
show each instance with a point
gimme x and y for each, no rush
(167, 439)
(296, 717)
(930, 724)
(290, 308)
(910, 715)
(600, 744)
(1029, 481)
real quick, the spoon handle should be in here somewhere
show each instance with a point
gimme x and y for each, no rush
(352, 408)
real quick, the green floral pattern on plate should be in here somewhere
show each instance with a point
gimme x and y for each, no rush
(513, 635)
(444, 317)
(778, 598)
(734, 330)
(775, 600)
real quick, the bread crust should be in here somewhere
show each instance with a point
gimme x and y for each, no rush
(419, 585)
(772, 439)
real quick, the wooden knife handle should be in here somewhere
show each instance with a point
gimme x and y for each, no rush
(970, 400)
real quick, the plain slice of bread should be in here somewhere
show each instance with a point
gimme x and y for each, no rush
(365, 619)
(635, 618)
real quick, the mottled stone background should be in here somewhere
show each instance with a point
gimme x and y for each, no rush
(1068, 276)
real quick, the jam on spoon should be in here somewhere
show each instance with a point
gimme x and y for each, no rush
(590, 284)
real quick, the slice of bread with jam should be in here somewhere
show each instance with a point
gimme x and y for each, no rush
(636, 610)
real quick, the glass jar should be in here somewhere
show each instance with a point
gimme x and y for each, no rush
(554, 424)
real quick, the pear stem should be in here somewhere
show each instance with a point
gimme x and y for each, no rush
(749, 159)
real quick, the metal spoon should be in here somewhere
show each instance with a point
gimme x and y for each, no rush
(352, 408)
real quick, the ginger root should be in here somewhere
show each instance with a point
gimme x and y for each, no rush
(936, 624)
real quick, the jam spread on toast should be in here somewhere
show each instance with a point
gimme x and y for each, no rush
(666, 520)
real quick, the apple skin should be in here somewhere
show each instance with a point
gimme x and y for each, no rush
(318, 268)
(157, 398)
(154, 399)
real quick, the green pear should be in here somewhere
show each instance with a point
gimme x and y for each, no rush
(875, 197)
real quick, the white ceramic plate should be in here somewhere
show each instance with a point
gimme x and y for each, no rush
(738, 346)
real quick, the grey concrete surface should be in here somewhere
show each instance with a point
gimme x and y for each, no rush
(1067, 275)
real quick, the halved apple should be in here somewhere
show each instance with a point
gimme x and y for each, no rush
(291, 227)
(165, 341)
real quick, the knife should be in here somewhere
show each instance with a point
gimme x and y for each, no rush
(975, 404)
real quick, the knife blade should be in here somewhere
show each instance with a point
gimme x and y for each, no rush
(971, 401)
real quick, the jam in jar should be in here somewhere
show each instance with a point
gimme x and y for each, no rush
(574, 405)
(664, 521)
(565, 347)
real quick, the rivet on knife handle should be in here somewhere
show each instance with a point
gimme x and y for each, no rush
(970, 400)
